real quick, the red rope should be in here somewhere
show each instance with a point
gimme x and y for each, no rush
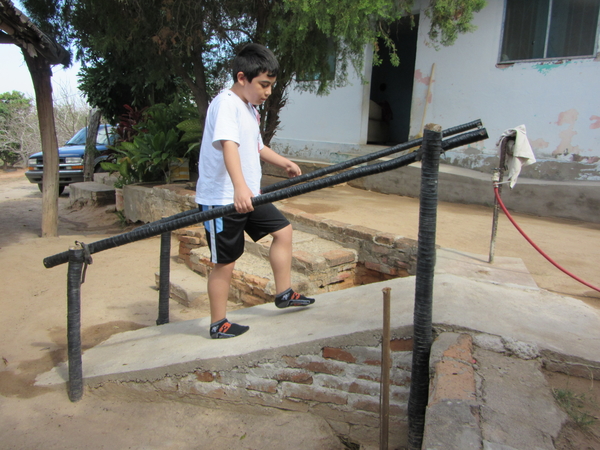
(535, 246)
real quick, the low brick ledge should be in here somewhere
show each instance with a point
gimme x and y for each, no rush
(385, 253)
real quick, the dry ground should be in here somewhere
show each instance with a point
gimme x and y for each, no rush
(118, 295)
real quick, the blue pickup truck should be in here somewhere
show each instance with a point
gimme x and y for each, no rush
(70, 169)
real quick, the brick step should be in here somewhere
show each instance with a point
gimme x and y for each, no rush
(318, 266)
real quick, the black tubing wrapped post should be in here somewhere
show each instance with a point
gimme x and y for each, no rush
(423, 330)
(75, 269)
(164, 278)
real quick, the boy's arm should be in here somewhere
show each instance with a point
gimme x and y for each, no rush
(242, 195)
(269, 155)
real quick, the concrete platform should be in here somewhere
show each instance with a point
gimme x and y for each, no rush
(557, 325)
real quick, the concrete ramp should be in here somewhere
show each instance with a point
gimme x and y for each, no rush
(474, 301)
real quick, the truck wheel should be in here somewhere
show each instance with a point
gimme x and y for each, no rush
(61, 188)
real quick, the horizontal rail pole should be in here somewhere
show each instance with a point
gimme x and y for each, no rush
(343, 165)
(194, 216)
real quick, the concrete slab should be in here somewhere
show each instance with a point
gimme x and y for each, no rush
(528, 403)
(186, 287)
(510, 272)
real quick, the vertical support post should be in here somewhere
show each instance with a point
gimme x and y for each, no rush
(423, 329)
(384, 407)
(498, 178)
(76, 260)
(164, 278)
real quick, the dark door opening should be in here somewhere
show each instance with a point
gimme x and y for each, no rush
(392, 87)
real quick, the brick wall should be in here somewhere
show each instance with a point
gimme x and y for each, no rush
(340, 384)
(380, 255)
(384, 253)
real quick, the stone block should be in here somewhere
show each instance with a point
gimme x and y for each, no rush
(91, 193)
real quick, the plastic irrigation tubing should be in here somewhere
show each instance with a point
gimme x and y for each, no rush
(554, 263)
(345, 165)
(193, 217)
(366, 158)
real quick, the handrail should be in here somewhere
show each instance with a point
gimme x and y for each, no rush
(344, 165)
(193, 217)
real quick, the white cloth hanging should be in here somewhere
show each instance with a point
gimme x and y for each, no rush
(518, 152)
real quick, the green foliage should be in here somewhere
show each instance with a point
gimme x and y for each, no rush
(192, 133)
(14, 107)
(49, 16)
(140, 52)
(163, 136)
(575, 406)
(122, 164)
(11, 102)
(449, 18)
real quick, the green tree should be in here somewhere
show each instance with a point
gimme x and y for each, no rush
(144, 47)
(16, 111)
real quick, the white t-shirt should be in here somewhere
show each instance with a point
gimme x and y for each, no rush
(228, 119)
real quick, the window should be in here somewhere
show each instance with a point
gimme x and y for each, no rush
(549, 29)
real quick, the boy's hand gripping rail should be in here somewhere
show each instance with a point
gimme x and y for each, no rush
(191, 218)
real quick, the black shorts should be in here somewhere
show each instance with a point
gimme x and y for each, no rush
(225, 235)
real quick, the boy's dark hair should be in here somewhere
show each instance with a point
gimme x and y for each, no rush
(253, 60)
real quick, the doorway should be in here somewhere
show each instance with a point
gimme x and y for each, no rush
(392, 87)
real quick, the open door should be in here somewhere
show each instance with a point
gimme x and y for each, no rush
(392, 87)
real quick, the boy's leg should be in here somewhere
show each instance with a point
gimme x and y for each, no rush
(266, 219)
(280, 257)
(225, 237)
(218, 290)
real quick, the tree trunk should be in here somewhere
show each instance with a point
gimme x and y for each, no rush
(41, 74)
(90, 144)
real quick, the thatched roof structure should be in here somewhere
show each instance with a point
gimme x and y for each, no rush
(16, 28)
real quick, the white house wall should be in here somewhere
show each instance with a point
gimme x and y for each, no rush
(315, 127)
(558, 101)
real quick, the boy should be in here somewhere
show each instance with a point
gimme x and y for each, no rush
(230, 172)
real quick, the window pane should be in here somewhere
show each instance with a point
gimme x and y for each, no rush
(573, 28)
(524, 29)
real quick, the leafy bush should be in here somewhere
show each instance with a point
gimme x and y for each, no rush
(154, 138)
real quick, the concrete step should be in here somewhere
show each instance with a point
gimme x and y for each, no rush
(187, 287)
(318, 266)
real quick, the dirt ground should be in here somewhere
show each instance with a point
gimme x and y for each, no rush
(119, 295)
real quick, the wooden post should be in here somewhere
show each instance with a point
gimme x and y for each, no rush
(90, 144)
(40, 71)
